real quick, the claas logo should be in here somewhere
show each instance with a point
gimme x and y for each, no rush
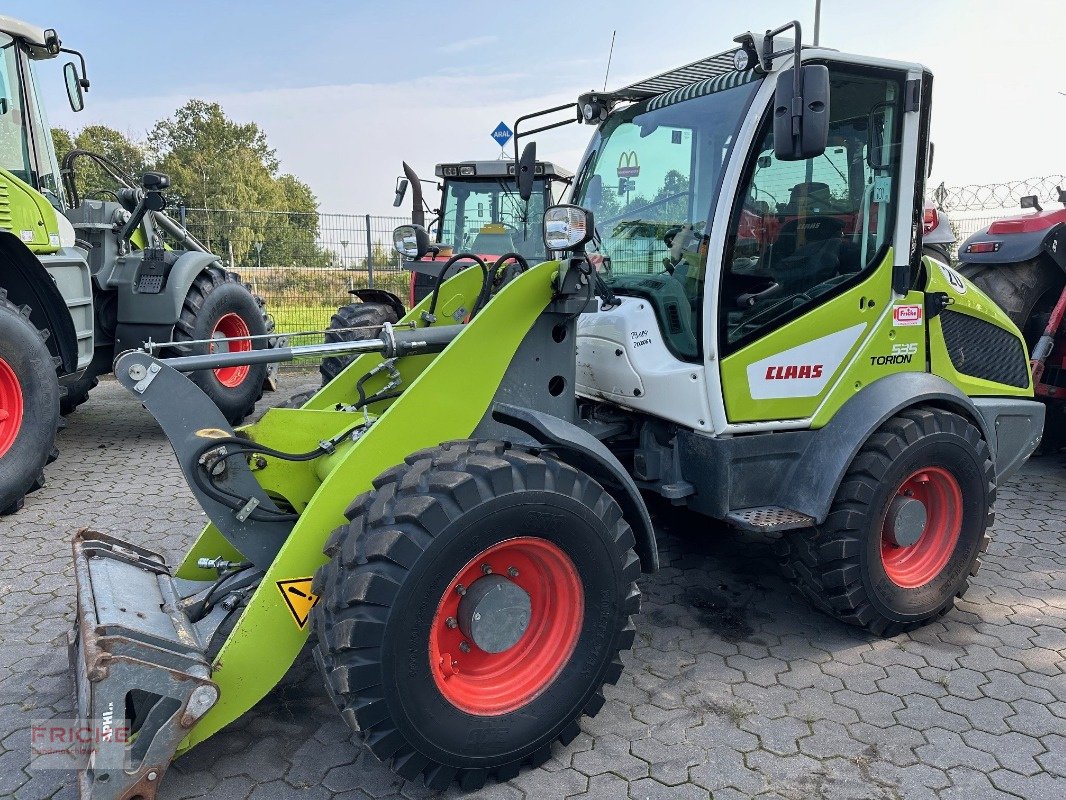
(790, 371)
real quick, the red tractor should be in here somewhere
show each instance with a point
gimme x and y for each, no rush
(1020, 263)
(480, 212)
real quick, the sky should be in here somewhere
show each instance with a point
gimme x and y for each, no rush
(346, 91)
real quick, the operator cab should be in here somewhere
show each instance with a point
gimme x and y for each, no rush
(725, 246)
(26, 149)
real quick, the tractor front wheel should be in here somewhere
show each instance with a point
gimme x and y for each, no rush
(219, 307)
(29, 405)
(906, 529)
(473, 609)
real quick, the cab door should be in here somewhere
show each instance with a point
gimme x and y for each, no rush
(806, 281)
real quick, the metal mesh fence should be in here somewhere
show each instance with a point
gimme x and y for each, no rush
(303, 265)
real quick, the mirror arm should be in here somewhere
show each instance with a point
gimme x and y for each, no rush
(84, 77)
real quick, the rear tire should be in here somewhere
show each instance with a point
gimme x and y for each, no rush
(368, 316)
(852, 567)
(78, 391)
(218, 304)
(29, 405)
(388, 644)
(938, 252)
(1026, 291)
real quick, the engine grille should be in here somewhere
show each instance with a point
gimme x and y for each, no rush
(984, 350)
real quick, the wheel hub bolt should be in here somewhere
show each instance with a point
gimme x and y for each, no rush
(452, 622)
(460, 589)
(486, 569)
(512, 571)
(464, 647)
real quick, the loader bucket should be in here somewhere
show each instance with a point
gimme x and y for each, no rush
(141, 675)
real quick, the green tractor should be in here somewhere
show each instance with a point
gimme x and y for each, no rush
(460, 515)
(82, 279)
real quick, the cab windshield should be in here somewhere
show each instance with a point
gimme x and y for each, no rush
(651, 178)
(488, 217)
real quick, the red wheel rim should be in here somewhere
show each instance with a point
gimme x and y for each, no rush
(231, 326)
(917, 564)
(488, 684)
(10, 406)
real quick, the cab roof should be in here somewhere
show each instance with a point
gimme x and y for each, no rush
(32, 35)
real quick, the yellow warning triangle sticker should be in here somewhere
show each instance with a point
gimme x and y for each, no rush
(299, 598)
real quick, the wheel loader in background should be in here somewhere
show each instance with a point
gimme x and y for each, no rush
(459, 515)
(82, 279)
(480, 211)
(1020, 262)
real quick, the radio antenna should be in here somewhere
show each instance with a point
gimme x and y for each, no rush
(609, 56)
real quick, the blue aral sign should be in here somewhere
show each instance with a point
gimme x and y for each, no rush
(502, 134)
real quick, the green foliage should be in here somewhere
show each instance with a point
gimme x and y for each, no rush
(382, 255)
(90, 180)
(215, 162)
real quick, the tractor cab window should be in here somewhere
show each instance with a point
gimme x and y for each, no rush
(651, 178)
(802, 230)
(49, 181)
(488, 217)
(14, 140)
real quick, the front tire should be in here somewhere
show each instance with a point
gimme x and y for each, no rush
(29, 405)
(219, 306)
(366, 319)
(906, 529)
(438, 683)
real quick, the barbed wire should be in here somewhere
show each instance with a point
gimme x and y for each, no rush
(992, 196)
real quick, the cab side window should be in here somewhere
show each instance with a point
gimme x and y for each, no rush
(802, 230)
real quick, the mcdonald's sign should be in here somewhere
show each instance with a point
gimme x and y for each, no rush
(628, 166)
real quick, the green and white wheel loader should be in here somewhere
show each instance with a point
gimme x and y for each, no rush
(81, 280)
(738, 317)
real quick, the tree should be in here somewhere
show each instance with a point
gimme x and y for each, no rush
(90, 180)
(215, 162)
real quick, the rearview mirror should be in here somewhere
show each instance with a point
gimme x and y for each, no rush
(801, 129)
(411, 241)
(401, 191)
(73, 81)
(877, 154)
(525, 170)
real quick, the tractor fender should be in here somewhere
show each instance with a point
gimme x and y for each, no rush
(163, 308)
(582, 450)
(27, 282)
(381, 296)
(818, 473)
(1015, 248)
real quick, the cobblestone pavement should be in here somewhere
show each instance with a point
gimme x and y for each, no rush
(735, 686)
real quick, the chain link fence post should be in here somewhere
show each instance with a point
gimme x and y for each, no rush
(369, 255)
